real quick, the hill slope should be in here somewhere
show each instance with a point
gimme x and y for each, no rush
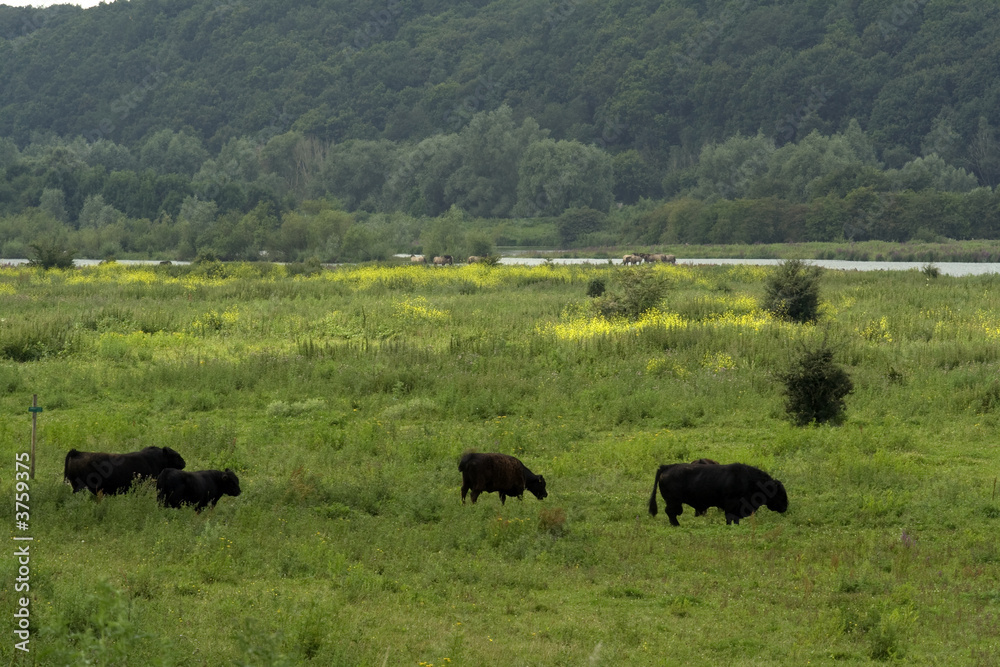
(663, 77)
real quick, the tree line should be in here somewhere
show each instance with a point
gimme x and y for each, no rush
(380, 127)
(285, 197)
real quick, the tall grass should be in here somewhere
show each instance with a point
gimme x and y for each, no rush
(343, 399)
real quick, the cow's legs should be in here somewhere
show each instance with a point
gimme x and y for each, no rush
(674, 511)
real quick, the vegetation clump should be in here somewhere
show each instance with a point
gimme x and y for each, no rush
(50, 254)
(792, 292)
(637, 292)
(815, 388)
(596, 287)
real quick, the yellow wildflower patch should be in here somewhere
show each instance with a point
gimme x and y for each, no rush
(419, 309)
(876, 331)
(749, 273)
(577, 326)
(212, 320)
(718, 361)
(990, 325)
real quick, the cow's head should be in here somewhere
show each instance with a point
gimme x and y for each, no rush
(778, 500)
(173, 459)
(537, 487)
(230, 483)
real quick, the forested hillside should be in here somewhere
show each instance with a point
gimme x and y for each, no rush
(174, 120)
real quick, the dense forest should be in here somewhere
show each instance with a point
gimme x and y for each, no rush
(353, 130)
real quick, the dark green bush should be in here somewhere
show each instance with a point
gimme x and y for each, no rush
(596, 287)
(637, 291)
(815, 388)
(50, 254)
(792, 291)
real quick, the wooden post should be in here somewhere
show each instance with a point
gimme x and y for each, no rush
(34, 410)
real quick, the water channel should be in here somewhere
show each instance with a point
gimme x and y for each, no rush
(946, 268)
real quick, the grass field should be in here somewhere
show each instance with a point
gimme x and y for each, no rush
(343, 399)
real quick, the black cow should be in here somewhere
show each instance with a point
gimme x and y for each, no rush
(114, 473)
(707, 462)
(201, 488)
(503, 473)
(735, 488)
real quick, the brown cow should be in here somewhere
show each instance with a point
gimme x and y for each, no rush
(505, 474)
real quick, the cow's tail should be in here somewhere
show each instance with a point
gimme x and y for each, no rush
(653, 509)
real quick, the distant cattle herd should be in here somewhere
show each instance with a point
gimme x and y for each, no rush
(736, 488)
(640, 257)
(630, 259)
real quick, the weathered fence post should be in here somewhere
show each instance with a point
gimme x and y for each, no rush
(34, 410)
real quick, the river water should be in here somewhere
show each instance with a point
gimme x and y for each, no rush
(946, 268)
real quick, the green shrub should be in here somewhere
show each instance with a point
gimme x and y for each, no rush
(815, 388)
(51, 255)
(792, 291)
(637, 292)
(596, 287)
(930, 271)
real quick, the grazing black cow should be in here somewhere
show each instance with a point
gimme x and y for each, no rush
(114, 473)
(201, 488)
(707, 462)
(735, 488)
(505, 474)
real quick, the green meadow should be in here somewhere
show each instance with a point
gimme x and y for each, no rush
(344, 397)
